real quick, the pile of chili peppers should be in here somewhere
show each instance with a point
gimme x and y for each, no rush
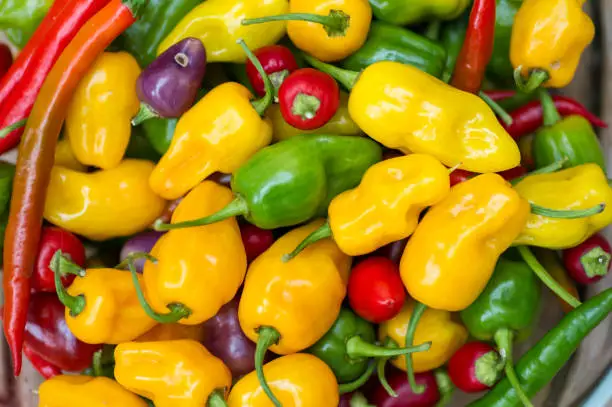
(297, 202)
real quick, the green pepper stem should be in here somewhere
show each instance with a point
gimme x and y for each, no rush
(549, 110)
(321, 233)
(235, 208)
(546, 278)
(216, 399)
(550, 168)
(144, 113)
(65, 266)
(499, 111)
(417, 312)
(360, 381)
(347, 78)
(504, 338)
(268, 336)
(537, 77)
(567, 214)
(260, 105)
(357, 348)
(177, 311)
(595, 262)
(380, 368)
(9, 129)
(133, 257)
(335, 24)
(96, 364)
(76, 305)
(445, 387)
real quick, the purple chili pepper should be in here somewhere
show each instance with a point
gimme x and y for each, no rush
(141, 243)
(168, 87)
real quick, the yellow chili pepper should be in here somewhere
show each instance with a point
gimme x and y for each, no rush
(200, 269)
(298, 380)
(79, 391)
(98, 122)
(217, 24)
(104, 204)
(172, 332)
(581, 187)
(452, 254)
(548, 38)
(65, 157)
(287, 307)
(435, 326)
(172, 373)
(330, 30)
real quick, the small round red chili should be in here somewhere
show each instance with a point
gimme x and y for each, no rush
(277, 61)
(308, 99)
(255, 240)
(588, 262)
(475, 367)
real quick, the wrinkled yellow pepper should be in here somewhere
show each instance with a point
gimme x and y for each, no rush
(172, 373)
(452, 254)
(98, 121)
(104, 204)
(435, 326)
(296, 380)
(79, 391)
(581, 187)
(217, 23)
(64, 156)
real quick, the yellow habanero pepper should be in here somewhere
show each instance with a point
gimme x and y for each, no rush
(548, 37)
(79, 391)
(217, 24)
(386, 205)
(98, 122)
(64, 156)
(172, 373)
(104, 204)
(199, 269)
(435, 326)
(299, 380)
(581, 187)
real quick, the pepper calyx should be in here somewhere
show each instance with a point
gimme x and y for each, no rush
(305, 106)
(145, 113)
(595, 262)
(488, 368)
(216, 399)
(346, 77)
(537, 77)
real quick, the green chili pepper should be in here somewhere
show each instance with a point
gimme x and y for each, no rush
(500, 67)
(350, 344)
(452, 36)
(7, 172)
(20, 18)
(571, 138)
(404, 12)
(156, 21)
(542, 362)
(387, 42)
(294, 180)
(140, 147)
(159, 132)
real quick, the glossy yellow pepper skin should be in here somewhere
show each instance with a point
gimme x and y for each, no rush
(112, 313)
(581, 187)
(301, 299)
(79, 391)
(551, 35)
(386, 206)
(340, 124)
(298, 380)
(435, 326)
(201, 267)
(104, 204)
(171, 373)
(65, 157)
(406, 109)
(217, 23)
(452, 254)
(219, 133)
(98, 122)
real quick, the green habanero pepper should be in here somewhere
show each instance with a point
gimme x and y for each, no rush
(571, 138)
(500, 67)
(452, 36)
(542, 362)
(387, 42)
(403, 12)
(20, 18)
(7, 172)
(350, 344)
(294, 180)
(157, 20)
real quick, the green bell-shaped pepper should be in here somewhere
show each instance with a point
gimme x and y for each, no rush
(404, 12)
(20, 18)
(500, 68)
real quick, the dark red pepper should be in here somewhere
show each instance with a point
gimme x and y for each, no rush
(255, 240)
(277, 61)
(588, 262)
(458, 176)
(375, 289)
(436, 393)
(6, 59)
(308, 98)
(47, 370)
(475, 367)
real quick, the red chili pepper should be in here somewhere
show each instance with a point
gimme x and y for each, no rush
(255, 240)
(277, 61)
(432, 396)
(375, 289)
(53, 239)
(475, 367)
(6, 59)
(458, 176)
(308, 98)
(47, 370)
(36, 157)
(477, 47)
(498, 95)
(588, 262)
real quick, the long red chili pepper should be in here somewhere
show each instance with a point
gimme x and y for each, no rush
(36, 156)
(46, 369)
(477, 47)
(21, 85)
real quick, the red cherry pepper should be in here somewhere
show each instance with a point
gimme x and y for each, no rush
(475, 367)
(277, 61)
(308, 98)
(375, 289)
(47, 370)
(588, 262)
(6, 59)
(53, 239)
(436, 393)
(255, 240)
